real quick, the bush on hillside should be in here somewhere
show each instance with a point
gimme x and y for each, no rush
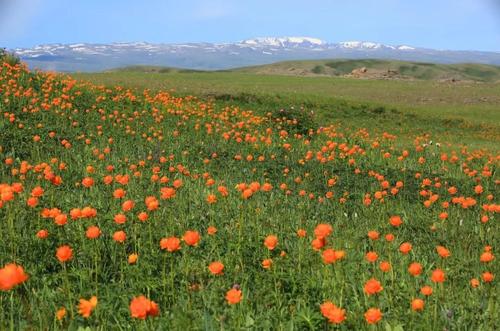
(319, 69)
(295, 120)
(8, 57)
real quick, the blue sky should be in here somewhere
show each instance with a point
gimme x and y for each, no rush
(442, 24)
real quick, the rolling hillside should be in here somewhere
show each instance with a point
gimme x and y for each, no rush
(379, 69)
(465, 110)
(363, 69)
(143, 209)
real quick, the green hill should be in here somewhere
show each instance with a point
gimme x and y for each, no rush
(379, 69)
(360, 69)
(152, 69)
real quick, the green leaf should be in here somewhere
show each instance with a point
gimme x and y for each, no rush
(249, 321)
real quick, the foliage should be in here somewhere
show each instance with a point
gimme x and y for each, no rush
(115, 203)
(7, 57)
(318, 69)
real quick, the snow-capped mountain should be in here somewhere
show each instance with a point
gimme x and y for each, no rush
(213, 56)
(284, 42)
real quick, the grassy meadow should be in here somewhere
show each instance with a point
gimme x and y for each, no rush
(236, 201)
(380, 68)
(466, 113)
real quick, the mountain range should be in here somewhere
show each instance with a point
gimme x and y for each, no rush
(218, 56)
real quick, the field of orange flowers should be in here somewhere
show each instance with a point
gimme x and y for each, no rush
(127, 210)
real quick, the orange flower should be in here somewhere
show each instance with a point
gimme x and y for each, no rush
(191, 238)
(42, 234)
(143, 216)
(443, 252)
(395, 221)
(267, 263)
(171, 244)
(61, 219)
(119, 193)
(132, 258)
(88, 182)
(37, 192)
(486, 257)
(474, 282)
(329, 256)
(371, 257)
(417, 304)
(75, 213)
(373, 286)
(339, 255)
(11, 275)
(373, 235)
(85, 307)
(405, 248)
(89, 212)
(317, 243)
(93, 232)
(211, 230)
(271, 242)
(64, 253)
(487, 277)
(60, 313)
(211, 198)
(167, 193)
(223, 191)
(426, 290)
(323, 230)
(334, 314)
(373, 315)
(438, 276)
(478, 189)
(233, 296)
(216, 268)
(152, 203)
(141, 307)
(385, 266)
(415, 269)
(32, 202)
(128, 205)
(177, 183)
(120, 219)
(119, 236)
(301, 233)
(247, 193)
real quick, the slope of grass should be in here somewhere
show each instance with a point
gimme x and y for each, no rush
(466, 112)
(381, 68)
(153, 69)
(109, 194)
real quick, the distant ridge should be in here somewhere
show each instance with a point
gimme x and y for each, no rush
(216, 56)
(361, 69)
(381, 69)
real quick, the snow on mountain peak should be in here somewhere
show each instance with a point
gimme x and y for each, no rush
(283, 41)
(360, 44)
(205, 55)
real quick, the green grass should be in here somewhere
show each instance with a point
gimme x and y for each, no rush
(467, 113)
(341, 165)
(399, 69)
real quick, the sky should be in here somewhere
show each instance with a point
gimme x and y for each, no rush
(439, 24)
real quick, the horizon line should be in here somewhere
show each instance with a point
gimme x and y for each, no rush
(246, 39)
